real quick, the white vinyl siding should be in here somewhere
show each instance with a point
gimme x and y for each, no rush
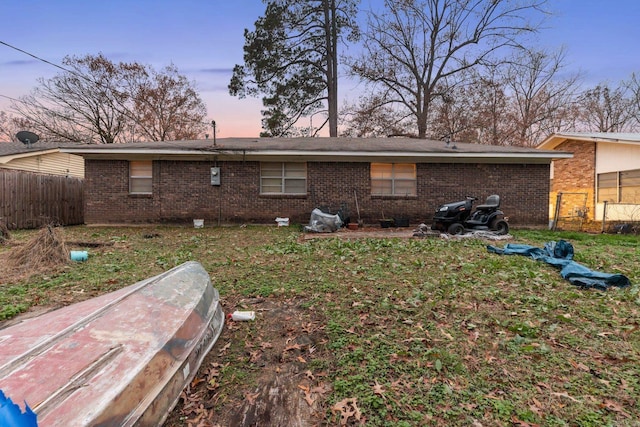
(393, 179)
(283, 178)
(53, 163)
(141, 177)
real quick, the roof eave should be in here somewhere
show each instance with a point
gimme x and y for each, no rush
(555, 140)
(10, 157)
(354, 156)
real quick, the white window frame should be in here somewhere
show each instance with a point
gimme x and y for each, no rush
(389, 176)
(141, 177)
(627, 187)
(283, 178)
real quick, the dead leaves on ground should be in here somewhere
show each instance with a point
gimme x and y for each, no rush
(312, 393)
(347, 409)
(284, 343)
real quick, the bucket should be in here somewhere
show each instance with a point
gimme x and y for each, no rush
(79, 255)
(198, 223)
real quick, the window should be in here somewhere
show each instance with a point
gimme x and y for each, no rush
(619, 187)
(140, 177)
(608, 187)
(630, 186)
(283, 178)
(393, 179)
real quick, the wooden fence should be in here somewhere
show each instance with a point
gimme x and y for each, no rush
(30, 200)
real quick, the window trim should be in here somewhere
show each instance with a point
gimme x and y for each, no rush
(393, 179)
(283, 178)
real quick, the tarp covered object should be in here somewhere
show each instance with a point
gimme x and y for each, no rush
(321, 222)
(560, 254)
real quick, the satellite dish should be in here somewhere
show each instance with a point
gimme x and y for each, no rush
(27, 137)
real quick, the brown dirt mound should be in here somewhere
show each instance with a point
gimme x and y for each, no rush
(44, 252)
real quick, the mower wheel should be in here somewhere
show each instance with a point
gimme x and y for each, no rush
(500, 226)
(455, 229)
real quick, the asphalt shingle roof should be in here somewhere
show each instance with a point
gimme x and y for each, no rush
(394, 145)
(13, 148)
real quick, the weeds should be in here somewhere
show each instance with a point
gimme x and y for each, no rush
(420, 331)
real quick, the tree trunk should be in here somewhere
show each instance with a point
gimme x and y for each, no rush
(332, 65)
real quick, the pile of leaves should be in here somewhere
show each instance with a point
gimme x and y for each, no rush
(5, 236)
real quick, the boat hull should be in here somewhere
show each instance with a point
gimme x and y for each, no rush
(120, 359)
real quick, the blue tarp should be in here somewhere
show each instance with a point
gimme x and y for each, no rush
(560, 254)
(12, 416)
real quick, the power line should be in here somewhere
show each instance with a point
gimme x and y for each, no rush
(12, 99)
(36, 57)
(126, 111)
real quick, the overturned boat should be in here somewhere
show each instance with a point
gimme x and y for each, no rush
(121, 359)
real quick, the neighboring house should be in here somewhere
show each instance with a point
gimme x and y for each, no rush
(605, 168)
(255, 180)
(39, 185)
(40, 157)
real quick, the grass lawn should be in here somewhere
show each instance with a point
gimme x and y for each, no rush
(405, 332)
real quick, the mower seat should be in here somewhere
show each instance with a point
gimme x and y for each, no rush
(493, 202)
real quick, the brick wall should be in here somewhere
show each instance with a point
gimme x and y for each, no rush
(576, 175)
(182, 192)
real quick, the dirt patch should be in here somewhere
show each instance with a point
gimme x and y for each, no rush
(82, 244)
(275, 384)
(363, 233)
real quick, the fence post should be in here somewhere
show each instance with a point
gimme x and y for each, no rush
(556, 214)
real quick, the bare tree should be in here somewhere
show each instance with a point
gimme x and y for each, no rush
(85, 104)
(606, 109)
(414, 45)
(10, 125)
(454, 113)
(633, 86)
(541, 100)
(167, 106)
(95, 100)
(519, 103)
(473, 108)
(5, 131)
(490, 103)
(371, 118)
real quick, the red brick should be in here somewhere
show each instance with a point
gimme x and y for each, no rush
(182, 191)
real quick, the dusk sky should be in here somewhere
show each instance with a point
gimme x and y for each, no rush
(204, 39)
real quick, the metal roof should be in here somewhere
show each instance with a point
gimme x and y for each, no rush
(319, 149)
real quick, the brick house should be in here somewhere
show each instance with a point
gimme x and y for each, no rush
(251, 180)
(605, 167)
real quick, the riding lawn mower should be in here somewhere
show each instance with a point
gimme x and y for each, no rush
(458, 217)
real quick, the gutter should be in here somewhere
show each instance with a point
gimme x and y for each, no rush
(357, 156)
